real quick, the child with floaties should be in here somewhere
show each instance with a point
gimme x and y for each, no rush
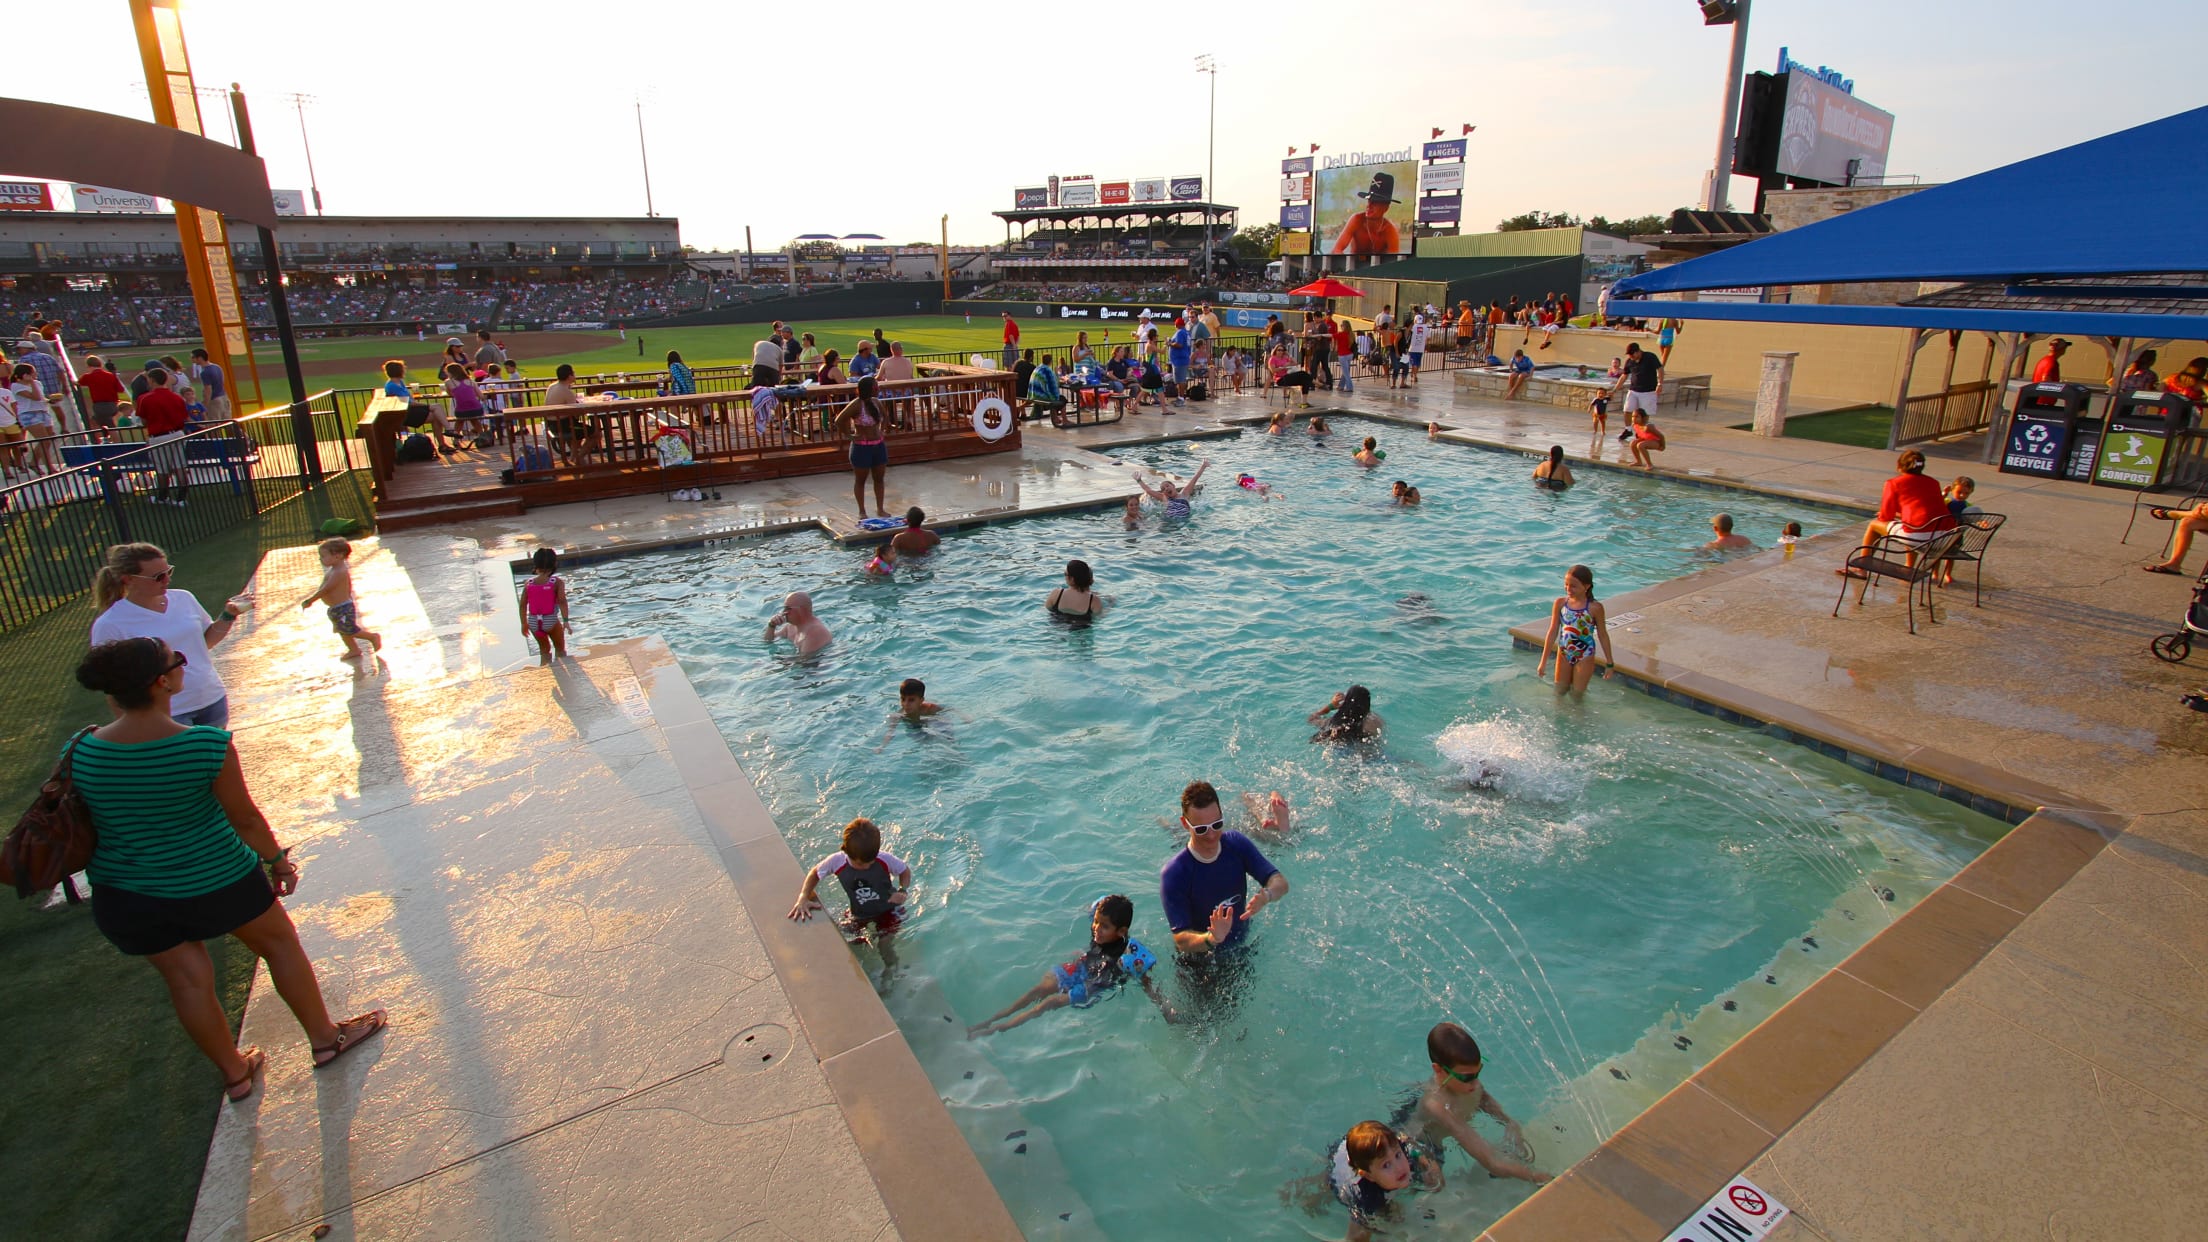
(1373, 1161)
(1113, 959)
(875, 882)
(544, 606)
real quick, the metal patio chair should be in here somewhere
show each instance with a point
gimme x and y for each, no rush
(1978, 530)
(1914, 563)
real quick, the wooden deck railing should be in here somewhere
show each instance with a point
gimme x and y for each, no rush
(1963, 408)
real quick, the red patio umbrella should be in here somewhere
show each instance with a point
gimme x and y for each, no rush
(1326, 287)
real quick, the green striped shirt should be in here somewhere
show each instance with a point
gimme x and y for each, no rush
(161, 831)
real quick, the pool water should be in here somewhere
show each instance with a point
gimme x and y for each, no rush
(1637, 885)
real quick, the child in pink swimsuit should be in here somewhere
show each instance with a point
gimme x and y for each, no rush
(544, 606)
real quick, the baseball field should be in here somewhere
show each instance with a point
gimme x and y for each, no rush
(357, 361)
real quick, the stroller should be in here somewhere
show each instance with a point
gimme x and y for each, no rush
(2175, 647)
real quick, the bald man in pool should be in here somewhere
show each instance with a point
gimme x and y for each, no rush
(797, 623)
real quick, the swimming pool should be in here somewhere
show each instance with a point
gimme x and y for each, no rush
(1640, 885)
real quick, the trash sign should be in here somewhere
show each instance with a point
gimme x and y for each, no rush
(1742, 1211)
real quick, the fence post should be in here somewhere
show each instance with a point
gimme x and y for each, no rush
(114, 503)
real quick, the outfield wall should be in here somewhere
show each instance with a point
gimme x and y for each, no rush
(885, 299)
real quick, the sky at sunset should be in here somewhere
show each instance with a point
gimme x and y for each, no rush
(880, 118)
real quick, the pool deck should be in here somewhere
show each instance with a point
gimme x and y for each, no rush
(571, 899)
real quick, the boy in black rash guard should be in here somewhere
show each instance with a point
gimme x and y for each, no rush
(1112, 959)
(1372, 1162)
(877, 884)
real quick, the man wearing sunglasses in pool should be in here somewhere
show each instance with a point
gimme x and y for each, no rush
(1204, 888)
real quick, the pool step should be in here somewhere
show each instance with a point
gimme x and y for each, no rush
(1020, 1157)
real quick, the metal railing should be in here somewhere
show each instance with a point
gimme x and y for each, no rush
(1955, 411)
(55, 528)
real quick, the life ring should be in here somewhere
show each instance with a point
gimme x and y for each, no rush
(992, 419)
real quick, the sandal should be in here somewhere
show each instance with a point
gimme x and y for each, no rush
(2158, 513)
(241, 1087)
(351, 1033)
(2163, 569)
(1851, 573)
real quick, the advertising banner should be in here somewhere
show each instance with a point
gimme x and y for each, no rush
(1295, 216)
(1112, 193)
(1295, 189)
(1031, 196)
(1364, 209)
(1446, 149)
(1297, 167)
(1073, 193)
(289, 202)
(1445, 178)
(1440, 209)
(1295, 243)
(1188, 189)
(100, 198)
(26, 196)
(1826, 127)
(1149, 189)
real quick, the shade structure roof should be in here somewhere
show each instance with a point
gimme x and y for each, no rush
(2129, 202)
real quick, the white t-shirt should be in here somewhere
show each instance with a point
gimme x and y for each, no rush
(184, 628)
(1418, 337)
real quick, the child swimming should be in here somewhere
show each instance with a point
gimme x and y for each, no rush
(1443, 1108)
(876, 882)
(1403, 493)
(1113, 958)
(1370, 455)
(1271, 814)
(1576, 625)
(1370, 1163)
(884, 563)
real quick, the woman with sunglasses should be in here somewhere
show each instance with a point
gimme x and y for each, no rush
(134, 600)
(184, 856)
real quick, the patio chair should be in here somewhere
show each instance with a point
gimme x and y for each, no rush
(1904, 560)
(1977, 532)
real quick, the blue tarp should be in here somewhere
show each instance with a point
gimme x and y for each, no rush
(2130, 202)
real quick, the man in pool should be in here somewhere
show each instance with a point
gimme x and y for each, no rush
(1726, 541)
(797, 623)
(1204, 888)
(915, 539)
(1443, 1109)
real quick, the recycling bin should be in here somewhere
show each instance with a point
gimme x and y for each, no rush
(2043, 429)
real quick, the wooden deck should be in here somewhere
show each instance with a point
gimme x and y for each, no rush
(934, 421)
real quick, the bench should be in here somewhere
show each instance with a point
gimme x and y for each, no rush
(227, 453)
(380, 428)
(1694, 394)
(1910, 561)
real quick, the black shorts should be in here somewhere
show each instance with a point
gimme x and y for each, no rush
(765, 376)
(140, 925)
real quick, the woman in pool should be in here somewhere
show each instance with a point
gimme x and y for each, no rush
(1077, 598)
(1576, 626)
(1319, 426)
(1174, 496)
(1347, 717)
(1553, 474)
(1279, 424)
(868, 426)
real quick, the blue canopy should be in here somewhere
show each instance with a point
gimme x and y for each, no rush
(2127, 202)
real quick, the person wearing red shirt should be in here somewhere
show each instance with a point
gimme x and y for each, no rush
(104, 390)
(163, 413)
(1345, 351)
(2049, 370)
(1011, 341)
(1913, 507)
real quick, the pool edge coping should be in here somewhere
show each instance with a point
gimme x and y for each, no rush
(927, 1174)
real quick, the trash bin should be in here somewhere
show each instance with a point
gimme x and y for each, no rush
(2042, 431)
(2134, 449)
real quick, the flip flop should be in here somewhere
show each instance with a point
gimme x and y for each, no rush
(241, 1087)
(2156, 512)
(351, 1033)
(2163, 569)
(1851, 573)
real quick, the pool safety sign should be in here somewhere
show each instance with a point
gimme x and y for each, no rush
(1740, 1212)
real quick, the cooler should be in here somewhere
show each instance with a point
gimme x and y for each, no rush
(2134, 449)
(2043, 429)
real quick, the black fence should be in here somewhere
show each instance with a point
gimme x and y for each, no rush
(118, 488)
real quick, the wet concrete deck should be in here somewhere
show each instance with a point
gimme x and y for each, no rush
(1887, 1101)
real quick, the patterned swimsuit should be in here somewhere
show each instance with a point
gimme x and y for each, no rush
(1575, 632)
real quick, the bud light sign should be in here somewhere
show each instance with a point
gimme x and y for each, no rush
(1188, 189)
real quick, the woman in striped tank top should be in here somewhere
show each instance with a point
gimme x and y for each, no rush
(184, 856)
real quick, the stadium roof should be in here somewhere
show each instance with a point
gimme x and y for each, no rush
(1115, 211)
(2079, 211)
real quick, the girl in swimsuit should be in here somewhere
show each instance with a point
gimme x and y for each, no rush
(1076, 598)
(1553, 474)
(1576, 626)
(1174, 496)
(868, 427)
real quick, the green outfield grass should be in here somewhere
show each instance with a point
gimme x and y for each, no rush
(646, 349)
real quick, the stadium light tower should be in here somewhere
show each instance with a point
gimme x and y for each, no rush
(1209, 67)
(1732, 13)
(299, 105)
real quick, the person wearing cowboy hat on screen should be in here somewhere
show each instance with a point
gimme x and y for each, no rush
(1370, 232)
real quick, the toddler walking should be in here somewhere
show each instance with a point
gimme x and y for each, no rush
(544, 606)
(336, 592)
